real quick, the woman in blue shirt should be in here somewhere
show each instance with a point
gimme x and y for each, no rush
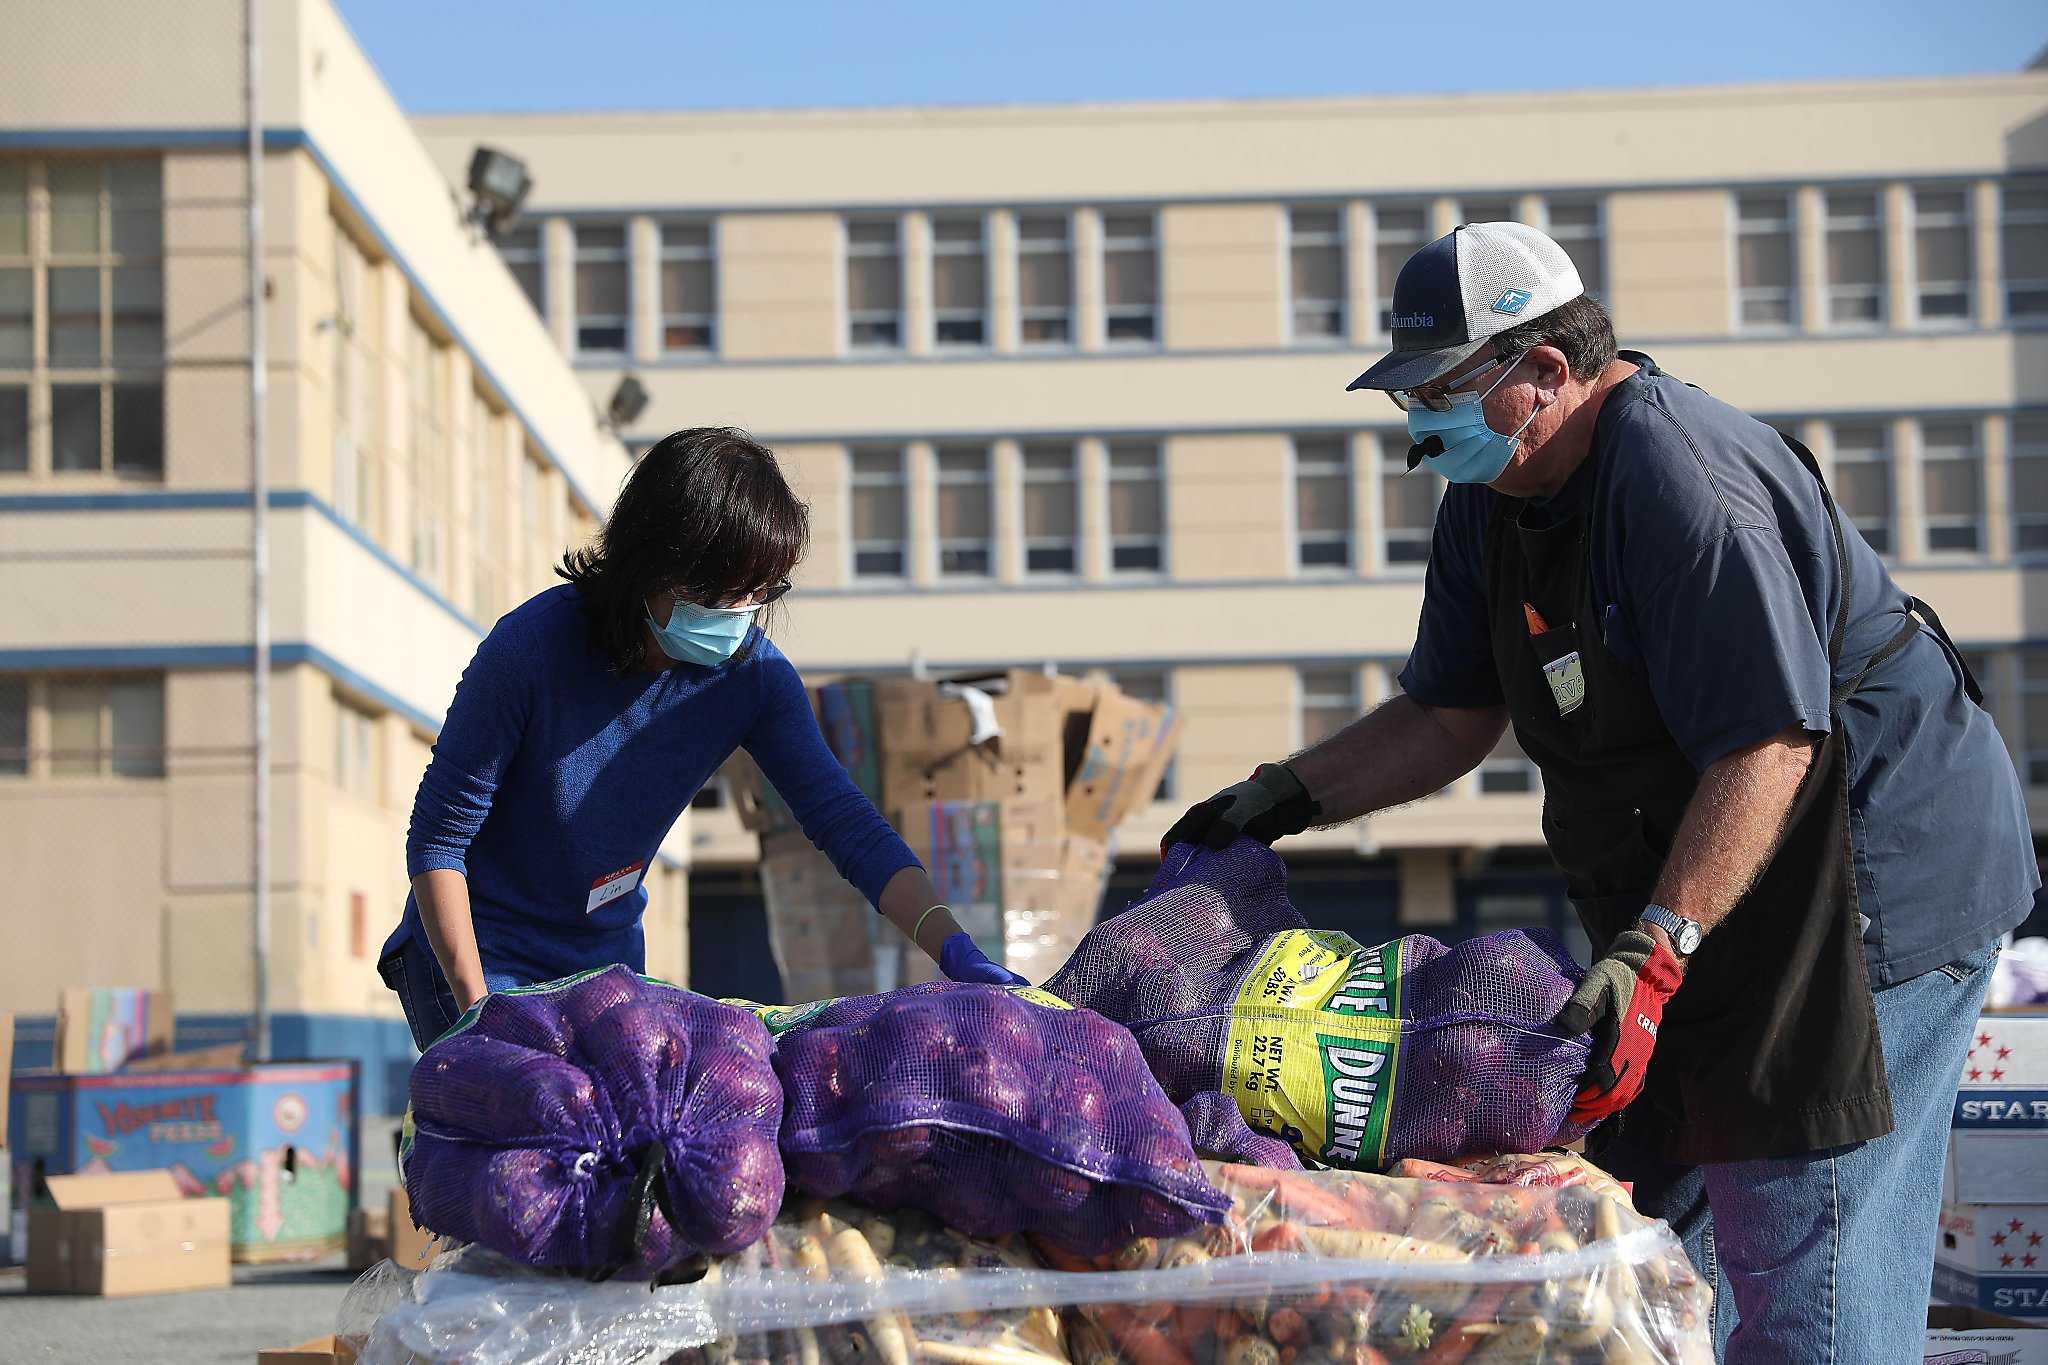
(593, 713)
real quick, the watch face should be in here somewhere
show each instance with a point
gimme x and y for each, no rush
(1689, 936)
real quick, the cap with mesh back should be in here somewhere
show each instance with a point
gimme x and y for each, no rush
(1463, 289)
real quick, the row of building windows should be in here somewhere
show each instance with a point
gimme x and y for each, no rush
(1849, 229)
(1917, 488)
(58, 726)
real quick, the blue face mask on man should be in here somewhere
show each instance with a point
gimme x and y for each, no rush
(1457, 443)
(702, 635)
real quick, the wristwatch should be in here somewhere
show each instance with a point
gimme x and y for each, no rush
(1685, 933)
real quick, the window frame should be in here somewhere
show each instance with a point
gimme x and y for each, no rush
(983, 315)
(1930, 522)
(689, 253)
(621, 256)
(1338, 309)
(2015, 451)
(855, 547)
(1392, 463)
(352, 720)
(1123, 541)
(1566, 236)
(1964, 221)
(1743, 294)
(1153, 313)
(2033, 749)
(1065, 313)
(946, 545)
(2008, 220)
(1878, 291)
(518, 255)
(1344, 465)
(1032, 544)
(39, 759)
(117, 378)
(1887, 460)
(1305, 699)
(851, 251)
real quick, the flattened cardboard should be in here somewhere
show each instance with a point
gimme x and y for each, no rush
(1128, 745)
(319, 1351)
(411, 1247)
(853, 728)
(817, 923)
(927, 754)
(194, 1059)
(128, 1233)
(1954, 1333)
(105, 1028)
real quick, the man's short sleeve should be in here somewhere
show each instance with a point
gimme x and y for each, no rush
(1730, 649)
(1452, 664)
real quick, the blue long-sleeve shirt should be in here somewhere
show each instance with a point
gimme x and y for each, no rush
(554, 781)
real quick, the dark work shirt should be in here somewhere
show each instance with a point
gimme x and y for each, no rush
(1711, 547)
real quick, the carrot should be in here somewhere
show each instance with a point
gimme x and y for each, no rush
(1280, 1237)
(1299, 1197)
(1146, 1344)
(1190, 1324)
(1062, 1260)
(1457, 1342)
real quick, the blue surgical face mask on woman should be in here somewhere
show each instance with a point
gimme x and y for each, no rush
(1465, 449)
(702, 635)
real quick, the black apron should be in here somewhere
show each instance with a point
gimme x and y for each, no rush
(1770, 1047)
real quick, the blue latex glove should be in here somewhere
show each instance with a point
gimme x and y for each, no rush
(961, 960)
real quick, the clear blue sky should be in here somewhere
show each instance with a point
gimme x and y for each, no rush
(501, 55)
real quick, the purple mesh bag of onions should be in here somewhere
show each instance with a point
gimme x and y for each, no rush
(1217, 1128)
(995, 1112)
(605, 1123)
(1356, 1056)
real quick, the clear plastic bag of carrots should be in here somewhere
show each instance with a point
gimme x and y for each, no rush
(1516, 1261)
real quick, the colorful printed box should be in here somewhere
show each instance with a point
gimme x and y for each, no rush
(281, 1141)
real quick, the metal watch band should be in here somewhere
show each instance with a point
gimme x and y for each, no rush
(1685, 933)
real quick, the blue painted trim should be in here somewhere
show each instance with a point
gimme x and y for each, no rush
(292, 139)
(1392, 195)
(218, 499)
(282, 655)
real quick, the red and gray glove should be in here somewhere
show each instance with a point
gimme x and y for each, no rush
(1621, 1003)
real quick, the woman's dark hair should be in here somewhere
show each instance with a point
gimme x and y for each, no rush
(1580, 328)
(705, 511)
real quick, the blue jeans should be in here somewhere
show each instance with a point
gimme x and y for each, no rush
(430, 1008)
(1828, 1256)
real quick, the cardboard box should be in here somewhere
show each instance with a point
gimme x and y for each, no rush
(227, 1055)
(960, 845)
(760, 807)
(1122, 757)
(126, 1234)
(818, 925)
(411, 1247)
(104, 1028)
(319, 1351)
(928, 753)
(282, 1141)
(1971, 1336)
(369, 1237)
(1993, 1256)
(2009, 1050)
(853, 728)
(1996, 1167)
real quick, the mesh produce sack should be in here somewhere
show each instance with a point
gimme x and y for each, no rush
(605, 1122)
(1217, 1128)
(998, 1110)
(1355, 1056)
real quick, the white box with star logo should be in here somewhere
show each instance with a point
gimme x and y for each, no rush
(1998, 1139)
(1995, 1257)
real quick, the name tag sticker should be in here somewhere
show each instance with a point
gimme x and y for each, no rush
(1567, 682)
(613, 885)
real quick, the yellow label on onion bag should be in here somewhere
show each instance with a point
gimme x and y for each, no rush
(1039, 997)
(1315, 1032)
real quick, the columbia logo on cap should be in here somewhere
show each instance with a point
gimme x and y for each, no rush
(1420, 319)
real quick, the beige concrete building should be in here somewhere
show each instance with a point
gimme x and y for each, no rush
(430, 455)
(1067, 384)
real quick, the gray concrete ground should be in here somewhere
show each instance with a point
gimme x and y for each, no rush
(267, 1305)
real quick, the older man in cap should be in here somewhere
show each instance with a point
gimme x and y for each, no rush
(1789, 827)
